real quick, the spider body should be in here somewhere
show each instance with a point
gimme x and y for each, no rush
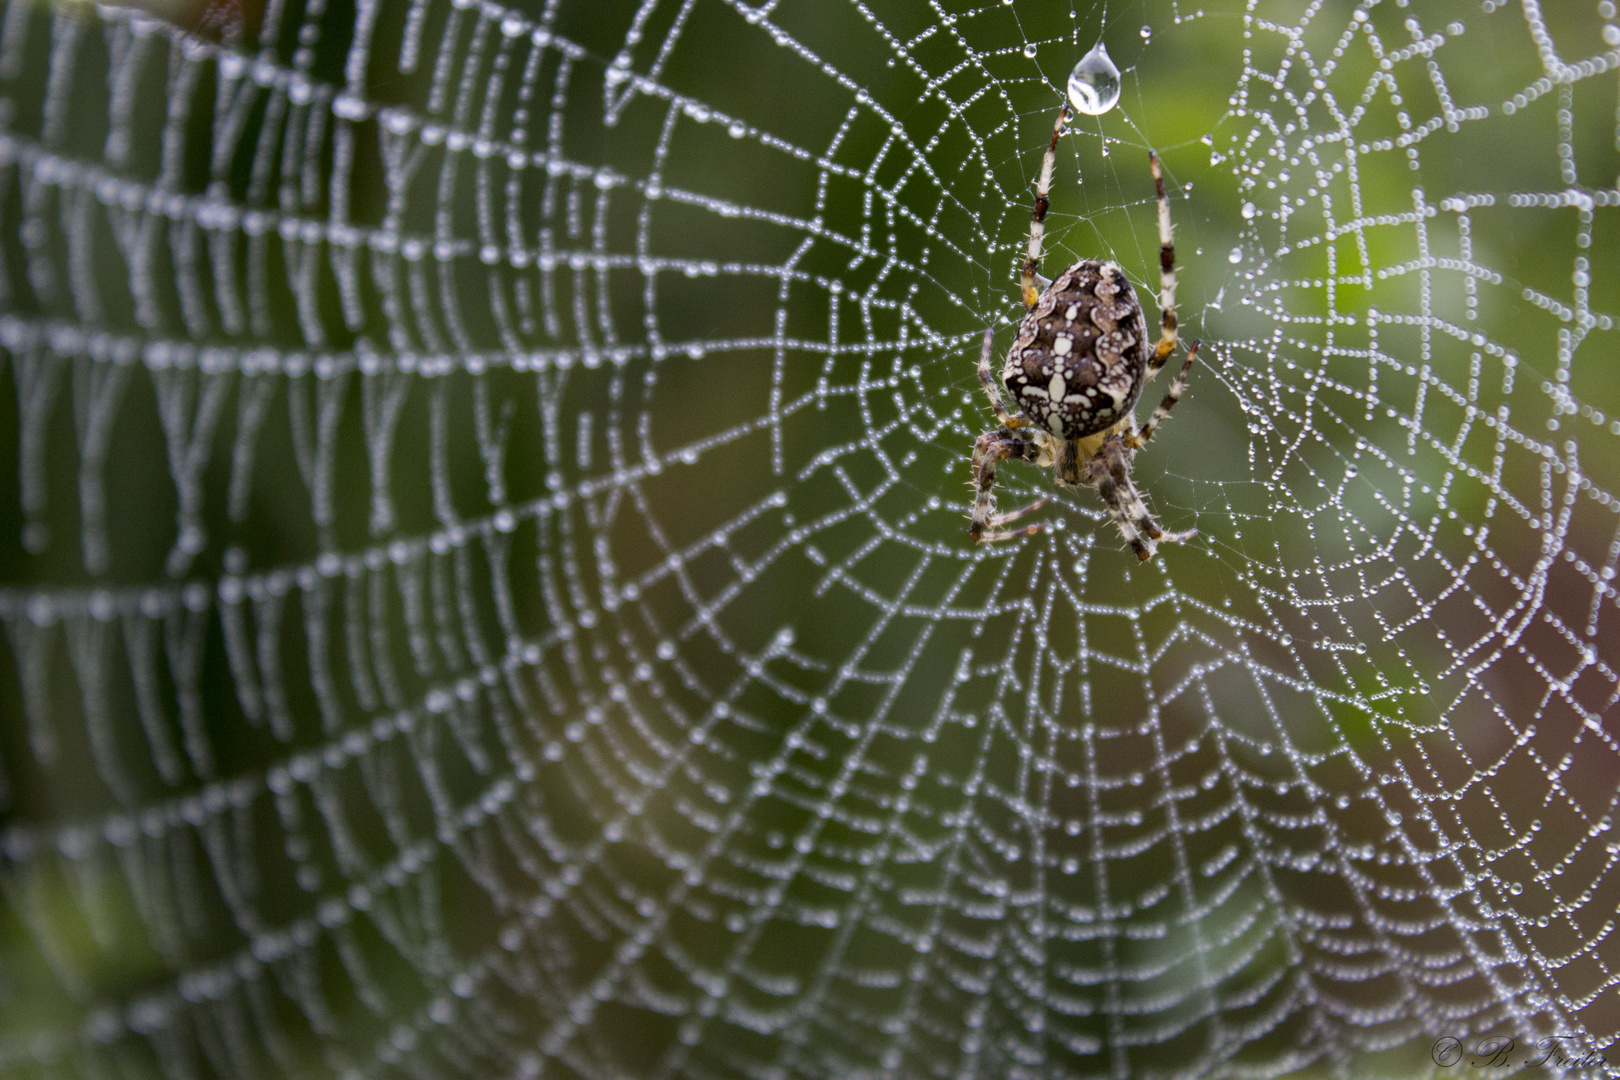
(1077, 365)
(1075, 372)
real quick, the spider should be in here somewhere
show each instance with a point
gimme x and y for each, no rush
(1074, 372)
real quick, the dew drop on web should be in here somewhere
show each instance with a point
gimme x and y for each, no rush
(1094, 83)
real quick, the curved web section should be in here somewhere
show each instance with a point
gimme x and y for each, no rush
(486, 578)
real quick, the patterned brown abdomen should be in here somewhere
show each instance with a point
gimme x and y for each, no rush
(1077, 365)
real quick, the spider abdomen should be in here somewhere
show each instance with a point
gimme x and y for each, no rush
(1080, 357)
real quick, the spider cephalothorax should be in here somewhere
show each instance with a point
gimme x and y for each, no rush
(1074, 372)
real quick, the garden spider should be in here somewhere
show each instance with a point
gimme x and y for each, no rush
(1074, 372)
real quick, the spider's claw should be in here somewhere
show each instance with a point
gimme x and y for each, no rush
(1002, 519)
(1011, 534)
(1030, 509)
(1145, 552)
(997, 537)
(1146, 545)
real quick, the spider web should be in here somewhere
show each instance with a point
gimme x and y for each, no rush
(486, 579)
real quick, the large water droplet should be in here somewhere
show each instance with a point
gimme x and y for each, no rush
(1235, 256)
(1029, 50)
(1094, 83)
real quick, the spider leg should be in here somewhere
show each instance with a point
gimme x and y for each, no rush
(1116, 498)
(1136, 440)
(1110, 471)
(992, 389)
(984, 526)
(1117, 459)
(1037, 221)
(1167, 276)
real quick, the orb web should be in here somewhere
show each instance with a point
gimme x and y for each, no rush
(486, 589)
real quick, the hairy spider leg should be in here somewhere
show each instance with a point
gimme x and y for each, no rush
(1118, 460)
(1167, 276)
(1037, 220)
(991, 389)
(1110, 473)
(1136, 440)
(984, 526)
(1115, 497)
